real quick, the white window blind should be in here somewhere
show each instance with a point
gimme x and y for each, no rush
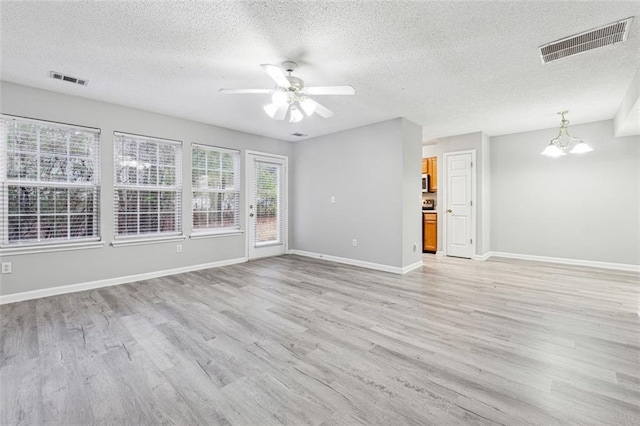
(147, 186)
(269, 223)
(215, 178)
(50, 182)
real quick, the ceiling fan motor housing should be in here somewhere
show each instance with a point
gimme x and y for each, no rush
(296, 83)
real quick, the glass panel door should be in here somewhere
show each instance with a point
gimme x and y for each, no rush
(267, 205)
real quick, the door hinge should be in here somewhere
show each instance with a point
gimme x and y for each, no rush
(471, 241)
(471, 164)
(471, 202)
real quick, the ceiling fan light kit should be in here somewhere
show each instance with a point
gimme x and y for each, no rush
(280, 98)
(294, 114)
(290, 97)
(559, 145)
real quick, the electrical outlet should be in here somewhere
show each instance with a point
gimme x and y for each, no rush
(179, 248)
(333, 199)
(6, 267)
(354, 243)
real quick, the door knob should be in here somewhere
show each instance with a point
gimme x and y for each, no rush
(449, 211)
(250, 214)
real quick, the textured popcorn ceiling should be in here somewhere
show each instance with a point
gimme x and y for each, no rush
(452, 67)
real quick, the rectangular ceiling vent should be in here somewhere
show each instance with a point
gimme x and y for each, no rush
(599, 37)
(60, 76)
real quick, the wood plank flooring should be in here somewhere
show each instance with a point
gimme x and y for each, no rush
(297, 341)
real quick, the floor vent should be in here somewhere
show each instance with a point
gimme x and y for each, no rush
(60, 76)
(298, 134)
(599, 37)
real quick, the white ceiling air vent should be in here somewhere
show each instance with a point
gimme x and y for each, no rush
(598, 37)
(63, 77)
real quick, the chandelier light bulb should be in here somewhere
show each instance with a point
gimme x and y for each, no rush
(581, 148)
(552, 150)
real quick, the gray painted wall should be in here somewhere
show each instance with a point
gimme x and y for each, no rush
(582, 207)
(484, 161)
(38, 271)
(411, 193)
(363, 169)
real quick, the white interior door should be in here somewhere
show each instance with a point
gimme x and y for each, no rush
(267, 205)
(458, 204)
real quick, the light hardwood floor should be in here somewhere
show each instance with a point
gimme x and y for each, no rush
(291, 340)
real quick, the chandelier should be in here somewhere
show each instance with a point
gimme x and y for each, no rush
(561, 143)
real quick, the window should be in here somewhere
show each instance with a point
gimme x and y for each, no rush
(269, 186)
(50, 182)
(147, 186)
(215, 177)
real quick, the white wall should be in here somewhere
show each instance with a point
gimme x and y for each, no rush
(39, 271)
(583, 207)
(363, 169)
(429, 151)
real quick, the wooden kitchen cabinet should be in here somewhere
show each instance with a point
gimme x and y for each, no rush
(432, 171)
(425, 166)
(430, 232)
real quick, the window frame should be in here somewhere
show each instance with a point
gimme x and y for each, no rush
(123, 239)
(92, 187)
(212, 231)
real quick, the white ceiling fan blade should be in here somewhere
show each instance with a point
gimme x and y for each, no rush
(308, 106)
(276, 73)
(329, 90)
(323, 111)
(247, 91)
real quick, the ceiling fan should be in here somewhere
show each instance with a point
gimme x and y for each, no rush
(290, 97)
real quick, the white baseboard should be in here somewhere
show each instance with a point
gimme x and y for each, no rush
(54, 291)
(355, 262)
(482, 257)
(564, 261)
(411, 267)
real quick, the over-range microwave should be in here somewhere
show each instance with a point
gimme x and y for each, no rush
(425, 182)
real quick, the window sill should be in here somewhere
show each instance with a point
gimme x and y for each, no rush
(142, 241)
(199, 236)
(35, 249)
